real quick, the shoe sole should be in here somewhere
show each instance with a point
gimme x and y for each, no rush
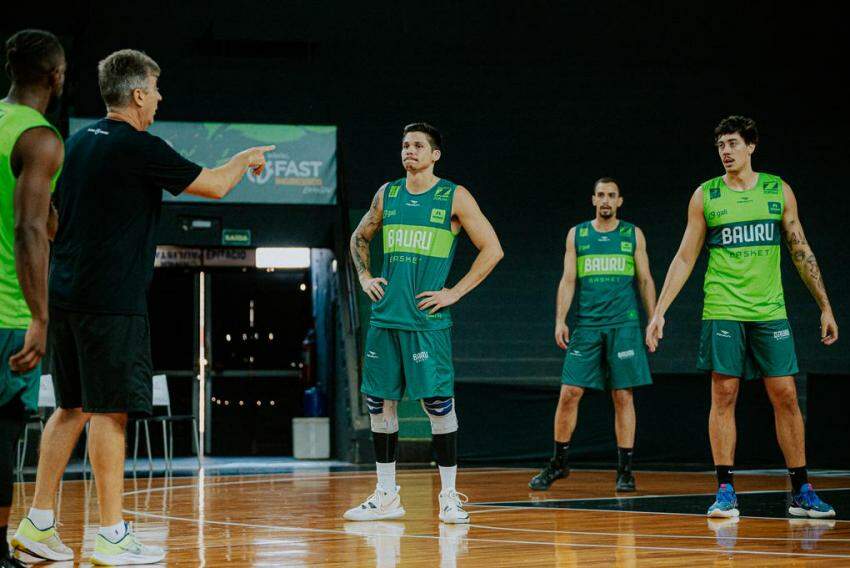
(800, 512)
(455, 521)
(124, 559)
(397, 514)
(38, 550)
(719, 514)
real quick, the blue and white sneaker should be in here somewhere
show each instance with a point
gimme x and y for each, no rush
(806, 503)
(726, 504)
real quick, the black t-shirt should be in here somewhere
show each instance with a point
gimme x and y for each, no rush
(109, 198)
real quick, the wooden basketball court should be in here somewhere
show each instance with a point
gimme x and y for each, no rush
(296, 520)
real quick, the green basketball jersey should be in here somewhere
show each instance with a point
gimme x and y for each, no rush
(418, 250)
(743, 281)
(14, 121)
(605, 265)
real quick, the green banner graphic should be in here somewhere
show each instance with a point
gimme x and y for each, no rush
(301, 170)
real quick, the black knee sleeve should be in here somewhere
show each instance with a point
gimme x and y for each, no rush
(445, 449)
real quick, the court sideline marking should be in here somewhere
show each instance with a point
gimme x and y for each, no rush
(202, 522)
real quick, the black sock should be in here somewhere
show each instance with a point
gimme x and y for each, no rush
(445, 449)
(561, 450)
(386, 447)
(799, 477)
(624, 460)
(724, 474)
(4, 547)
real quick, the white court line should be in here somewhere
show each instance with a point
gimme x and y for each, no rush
(662, 536)
(621, 511)
(648, 496)
(275, 478)
(433, 537)
(496, 541)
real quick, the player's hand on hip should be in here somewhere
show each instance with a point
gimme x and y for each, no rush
(256, 158)
(654, 332)
(374, 287)
(33, 350)
(562, 334)
(437, 300)
(828, 328)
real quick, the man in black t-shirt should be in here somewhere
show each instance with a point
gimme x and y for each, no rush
(109, 200)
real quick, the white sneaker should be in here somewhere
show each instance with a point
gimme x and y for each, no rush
(380, 505)
(128, 550)
(451, 507)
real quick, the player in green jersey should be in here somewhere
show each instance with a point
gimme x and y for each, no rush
(740, 216)
(30, 160)
(408, 345)
(607, 256)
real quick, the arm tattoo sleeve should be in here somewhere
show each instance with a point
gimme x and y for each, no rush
(359, 242)
(806, 263)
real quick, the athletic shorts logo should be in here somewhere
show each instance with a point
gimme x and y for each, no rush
(774, 207)
(393, 190)
(442, 194)
(626, 246)
(371, 355)
(576, 353)
(582, 232)
(714, 193)
(625, 354)
(438, 215)
(420, 357)
(781, 334)
(771, 188)
(724, 333)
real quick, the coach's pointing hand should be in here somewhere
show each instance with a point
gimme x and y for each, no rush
(255, 158)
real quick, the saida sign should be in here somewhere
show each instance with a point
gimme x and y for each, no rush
(301, 170)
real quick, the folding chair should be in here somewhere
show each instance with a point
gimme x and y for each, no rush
(46, 404)
(162, 399)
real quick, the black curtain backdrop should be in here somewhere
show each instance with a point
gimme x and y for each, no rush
(536, 100)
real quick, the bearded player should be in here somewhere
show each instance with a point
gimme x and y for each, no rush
(745, 331)
(607, 256)
(408, 345)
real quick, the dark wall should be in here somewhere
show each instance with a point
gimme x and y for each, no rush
(536, 100)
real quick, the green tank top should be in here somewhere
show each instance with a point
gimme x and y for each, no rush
(419, 246)
(14, 121)
(743, 281)
(605, 265)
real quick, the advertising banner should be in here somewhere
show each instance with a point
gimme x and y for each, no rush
(301, 170)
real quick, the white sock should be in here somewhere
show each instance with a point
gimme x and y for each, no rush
(447, 477)
(386, 475)
(42, 518)
(115, 532)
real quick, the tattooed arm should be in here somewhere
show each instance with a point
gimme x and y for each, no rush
(807, 265)
(359, 246)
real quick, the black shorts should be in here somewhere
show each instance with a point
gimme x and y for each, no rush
(101, 362)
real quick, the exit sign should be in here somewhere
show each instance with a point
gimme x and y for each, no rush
(236, 237)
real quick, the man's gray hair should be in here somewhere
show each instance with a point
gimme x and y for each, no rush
(120, 73)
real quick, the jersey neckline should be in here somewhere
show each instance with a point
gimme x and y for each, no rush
(619, 222)
(758, 183)
(404, 185)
